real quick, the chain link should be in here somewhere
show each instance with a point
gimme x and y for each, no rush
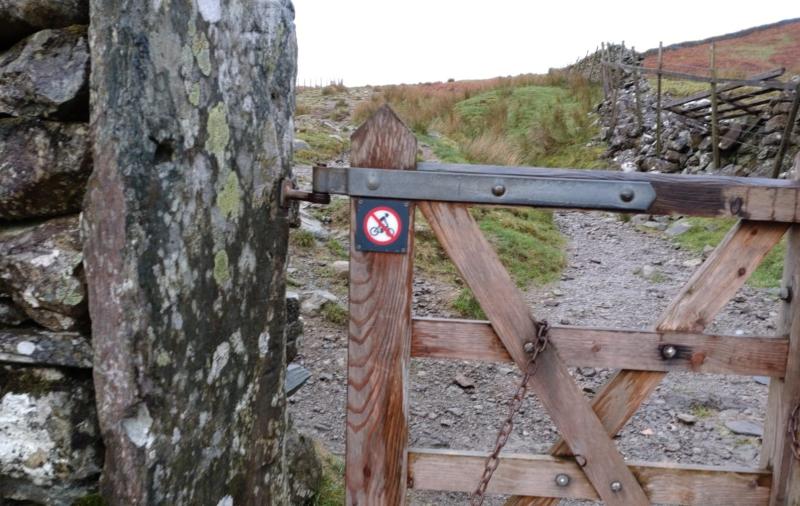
(794, 425)
(533, 350)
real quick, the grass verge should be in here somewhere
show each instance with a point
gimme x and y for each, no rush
(331, 492)
(711, 231)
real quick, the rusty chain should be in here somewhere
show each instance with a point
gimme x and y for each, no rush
(794, 425)
(533, 350)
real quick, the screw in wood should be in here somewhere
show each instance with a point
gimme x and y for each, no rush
(669, 351)
(616, 486)
(562, 480)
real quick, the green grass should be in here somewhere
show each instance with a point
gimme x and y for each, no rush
(711, 231)
(331, 492)
(334, 313)
(678, 89)
(701, 411)
(336, 249)
(323, 147)
(549, 126)
(302, 239)
(467, 306)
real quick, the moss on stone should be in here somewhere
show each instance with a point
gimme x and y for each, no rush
(229, 199)
(90, 500)
(218, 132)
(222, 273)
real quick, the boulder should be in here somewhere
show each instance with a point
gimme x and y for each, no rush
(681, 142)
(50, 447)
(313, 301)
(776, 124)
(773, 139)
(44, 166)
(40, 268)
(305, 469)
(47, 76)
(32, 345)
(20, 18)
(652, 163)
(730, 137)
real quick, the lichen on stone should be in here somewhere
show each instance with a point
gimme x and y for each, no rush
(218, 132)
(200, 49)
(222, 272)
(229, 199)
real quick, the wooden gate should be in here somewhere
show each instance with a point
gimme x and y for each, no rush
(385, 335)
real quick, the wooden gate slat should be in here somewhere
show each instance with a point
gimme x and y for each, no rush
(378, 351)
(457, 471)
(610, 348)
(703, 296)
(510, 316)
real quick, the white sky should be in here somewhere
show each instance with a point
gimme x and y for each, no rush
(410, 41)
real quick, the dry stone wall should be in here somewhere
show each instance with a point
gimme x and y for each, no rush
(50, 447)
(748, 145)
(227, 442)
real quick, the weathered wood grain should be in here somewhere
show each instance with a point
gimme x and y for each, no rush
(703, 296)
(535, 474)
(510, 317)
(784, 394)
(380, 337)
(609, 348)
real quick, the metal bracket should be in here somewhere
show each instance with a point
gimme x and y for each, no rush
(289, 192)
(485, 188)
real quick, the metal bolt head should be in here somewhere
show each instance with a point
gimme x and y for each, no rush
(528, 347)
(616, 486)
(372, 182)
(562, 480)
(626, 195)
(669, 351)
(498, 190)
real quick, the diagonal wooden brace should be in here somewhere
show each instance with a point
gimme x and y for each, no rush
(703, 296)
(510, 317)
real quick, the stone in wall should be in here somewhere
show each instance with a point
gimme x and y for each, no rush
(47, 75)
(185, 246)
(50, 452)
(41, 270)
(44, 167)
(20, 18)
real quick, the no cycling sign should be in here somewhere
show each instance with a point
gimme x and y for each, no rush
(382, 225)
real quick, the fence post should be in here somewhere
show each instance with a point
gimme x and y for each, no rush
(637, 76)
(379, 348)
(784, 394)
(714, 119)
(658, 96)
(787, 133)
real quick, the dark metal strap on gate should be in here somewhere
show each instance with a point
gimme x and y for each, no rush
(498, 189)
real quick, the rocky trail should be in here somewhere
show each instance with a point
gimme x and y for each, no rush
(619, 274)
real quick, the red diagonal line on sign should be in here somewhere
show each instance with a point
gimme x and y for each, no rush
(383, 227)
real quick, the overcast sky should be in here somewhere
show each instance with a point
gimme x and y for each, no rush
(397, 41)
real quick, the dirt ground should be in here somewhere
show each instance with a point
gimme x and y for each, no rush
(602, 286)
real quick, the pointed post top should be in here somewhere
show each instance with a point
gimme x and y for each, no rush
(384, 142)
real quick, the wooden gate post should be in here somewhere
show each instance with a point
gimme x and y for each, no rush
(380, 335)
(784, 395)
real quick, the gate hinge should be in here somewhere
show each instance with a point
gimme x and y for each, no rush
(290, 192)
